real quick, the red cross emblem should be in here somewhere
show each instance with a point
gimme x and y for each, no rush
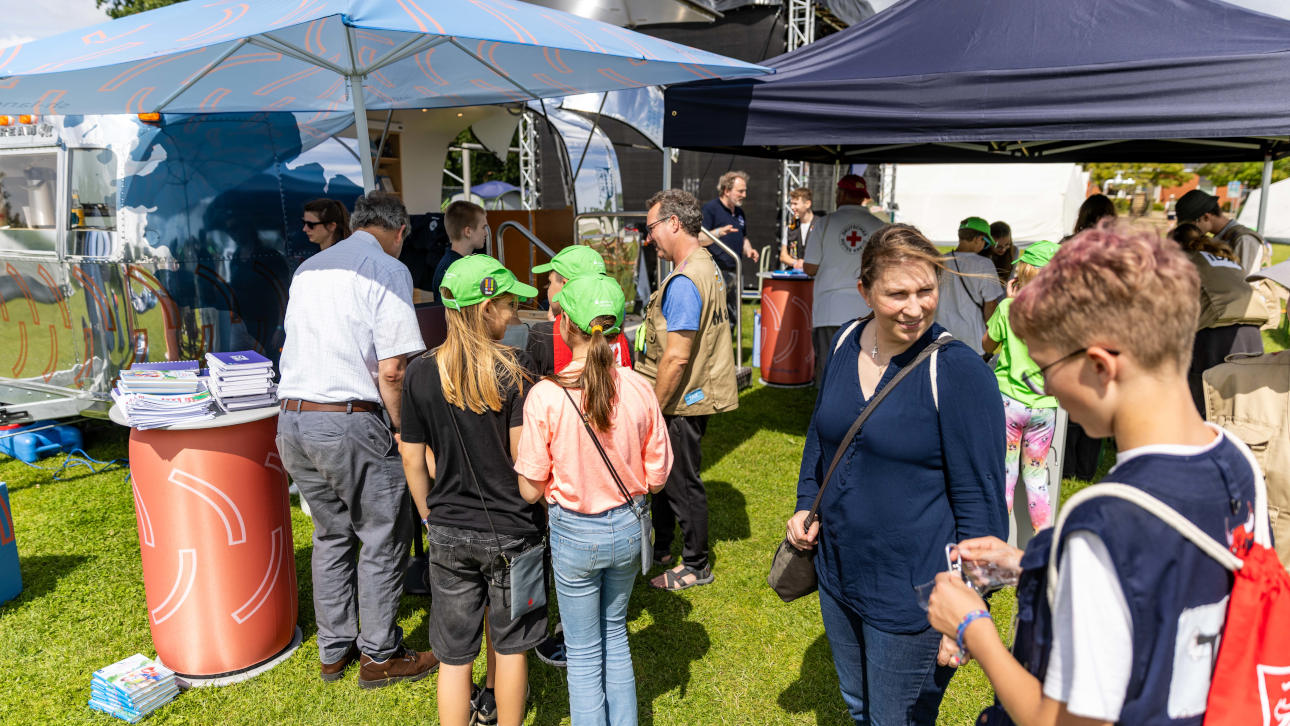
(852, 239)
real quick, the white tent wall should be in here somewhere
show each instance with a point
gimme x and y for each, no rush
(1277, 225)
(1039, 201)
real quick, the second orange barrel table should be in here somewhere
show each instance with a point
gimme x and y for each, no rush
(787, 355)
(219, 568)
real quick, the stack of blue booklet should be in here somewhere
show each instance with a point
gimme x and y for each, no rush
(132, 688)
(241, 379)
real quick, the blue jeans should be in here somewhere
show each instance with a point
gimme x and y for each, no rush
(887, 679)
(596, 558)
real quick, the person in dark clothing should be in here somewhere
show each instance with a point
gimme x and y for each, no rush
(467, 226)
(927, 468)
(1002, 252)
(725, 219)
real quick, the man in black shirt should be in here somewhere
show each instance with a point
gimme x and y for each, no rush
(725, 219)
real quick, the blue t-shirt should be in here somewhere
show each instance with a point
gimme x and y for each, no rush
(682, 304)
(715, 216)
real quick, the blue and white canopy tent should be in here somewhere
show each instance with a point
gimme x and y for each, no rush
(339, 56)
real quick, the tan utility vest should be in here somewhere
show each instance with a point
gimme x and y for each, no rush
(1251, 398)
(1225, 297)
(708, 381)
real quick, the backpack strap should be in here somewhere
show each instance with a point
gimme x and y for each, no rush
(1169, 516)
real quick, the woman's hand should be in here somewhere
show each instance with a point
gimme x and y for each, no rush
(950, 602)
(803, 539)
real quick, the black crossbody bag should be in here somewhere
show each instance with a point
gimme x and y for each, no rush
(642, 512)
(792, 571)
(527, 576)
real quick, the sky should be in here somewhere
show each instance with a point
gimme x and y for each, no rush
(25, 20)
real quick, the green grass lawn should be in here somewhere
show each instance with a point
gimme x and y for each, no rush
(729, 653)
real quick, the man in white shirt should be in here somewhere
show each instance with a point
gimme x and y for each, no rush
(970, 288)
(350, 328)
(833, 259)
(793, 249)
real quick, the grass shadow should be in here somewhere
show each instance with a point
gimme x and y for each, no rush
(816, 689)
(664, 651)
(40, 575)
(727, 512)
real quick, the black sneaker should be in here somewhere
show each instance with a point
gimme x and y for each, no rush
(483, 706)
(551, 651)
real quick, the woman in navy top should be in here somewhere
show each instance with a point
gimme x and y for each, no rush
(926, 470)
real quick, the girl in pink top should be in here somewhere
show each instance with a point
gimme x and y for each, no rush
(595, 533)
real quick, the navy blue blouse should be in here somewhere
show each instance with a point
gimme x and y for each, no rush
(914, 480)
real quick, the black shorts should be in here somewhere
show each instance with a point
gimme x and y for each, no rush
(466, 577)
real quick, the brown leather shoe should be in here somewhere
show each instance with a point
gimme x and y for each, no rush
(406, 665)
(336, 671)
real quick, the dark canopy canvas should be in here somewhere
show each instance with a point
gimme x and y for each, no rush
(1011, 80)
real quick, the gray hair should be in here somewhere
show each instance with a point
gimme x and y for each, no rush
(380, 209)
(680, 204)
(727, 180)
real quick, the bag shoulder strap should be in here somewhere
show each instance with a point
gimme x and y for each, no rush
(618, 480)
(850, 435)
(843, 338)
(465, 455)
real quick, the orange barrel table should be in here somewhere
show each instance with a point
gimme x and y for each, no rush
(219, 568)
(787, 356)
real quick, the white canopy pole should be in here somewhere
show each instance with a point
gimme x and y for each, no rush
(1265, 191)
(355, 82)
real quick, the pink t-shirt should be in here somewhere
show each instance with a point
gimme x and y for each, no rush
(555, 448)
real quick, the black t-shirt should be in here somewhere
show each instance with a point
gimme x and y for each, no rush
(453, 500)
(541, 347)
(448, 258)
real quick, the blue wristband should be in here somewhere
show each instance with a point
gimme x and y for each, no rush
(967, 620)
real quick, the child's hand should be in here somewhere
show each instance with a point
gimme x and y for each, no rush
(1012, 287)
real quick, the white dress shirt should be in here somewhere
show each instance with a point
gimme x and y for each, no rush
(350, 306)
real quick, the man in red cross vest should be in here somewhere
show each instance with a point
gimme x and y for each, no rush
(833, 259)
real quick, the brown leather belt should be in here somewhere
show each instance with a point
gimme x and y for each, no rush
(297, 405)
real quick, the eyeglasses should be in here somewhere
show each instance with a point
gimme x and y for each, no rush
(309, 224)
(1035, 381)
(649, 228)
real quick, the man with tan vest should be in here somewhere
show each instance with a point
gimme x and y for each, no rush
(1250, 396)
(684, 347)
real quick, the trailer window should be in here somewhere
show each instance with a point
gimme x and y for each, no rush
(93, 189)
(28, 201)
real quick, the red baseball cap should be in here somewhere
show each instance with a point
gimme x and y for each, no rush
(853, 183)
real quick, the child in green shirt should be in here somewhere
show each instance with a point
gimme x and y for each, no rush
(1030, 418)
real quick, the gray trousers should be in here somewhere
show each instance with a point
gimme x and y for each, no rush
(347, 469)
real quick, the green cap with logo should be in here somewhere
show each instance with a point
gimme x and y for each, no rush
(977, 224)
(474, 279)
(588, 297)
(1039, 253)
(574, 261)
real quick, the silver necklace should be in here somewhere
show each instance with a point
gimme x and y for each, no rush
(874, 353)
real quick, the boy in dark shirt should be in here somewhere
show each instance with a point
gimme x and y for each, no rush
(467, 226)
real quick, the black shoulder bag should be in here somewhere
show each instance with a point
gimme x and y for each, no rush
(642, 513)
(527, 576)
(792, 571)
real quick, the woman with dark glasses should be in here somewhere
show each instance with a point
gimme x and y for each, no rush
(326, 222)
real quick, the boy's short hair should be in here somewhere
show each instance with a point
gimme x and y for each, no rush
(1119, 286)
(459, 215)
(967, 235)
(1000, 229)
(800, 193)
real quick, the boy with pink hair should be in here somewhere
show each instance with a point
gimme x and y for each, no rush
(1130, 631)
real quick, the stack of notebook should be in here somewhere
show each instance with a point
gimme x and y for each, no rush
(132, 688)
(241, 379)
(161, 394)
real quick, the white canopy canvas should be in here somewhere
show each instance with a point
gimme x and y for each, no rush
(1039, 201)
(1277, 226)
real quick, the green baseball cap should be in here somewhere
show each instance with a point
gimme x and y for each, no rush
(588, 297)
(474, 279)
(976, 224)
(1039, 253)
(574, 261)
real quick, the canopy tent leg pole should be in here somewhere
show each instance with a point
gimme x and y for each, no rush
(667, 167)
(465, 174)
(1264, 191)
(355, 82)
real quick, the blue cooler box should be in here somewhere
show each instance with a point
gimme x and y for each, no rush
(10, 578)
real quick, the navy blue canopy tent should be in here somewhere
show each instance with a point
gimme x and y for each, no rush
(1008, 81)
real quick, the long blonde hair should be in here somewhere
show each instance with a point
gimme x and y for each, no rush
(474, 369)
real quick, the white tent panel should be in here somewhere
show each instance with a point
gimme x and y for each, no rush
(1277, 226)
(1039, 201)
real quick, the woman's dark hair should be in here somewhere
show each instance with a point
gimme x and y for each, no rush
(894, 245)
(1193, 239)
(330, 211)
(1092, 211)
(599, 394)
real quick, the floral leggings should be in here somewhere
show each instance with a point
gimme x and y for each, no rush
(1029, 432)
